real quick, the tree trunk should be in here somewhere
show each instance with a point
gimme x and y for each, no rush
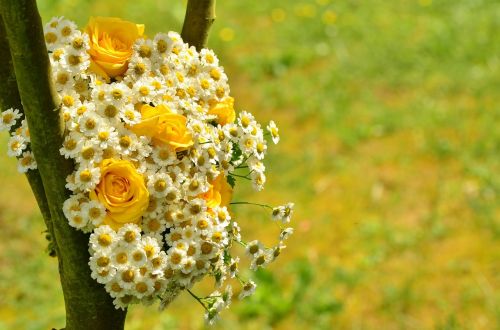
(25, 84)
(88, 305)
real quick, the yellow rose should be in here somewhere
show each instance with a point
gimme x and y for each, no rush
(164, 127)
(111, 41)
(122, 192)
(219, 193)
(224, 111)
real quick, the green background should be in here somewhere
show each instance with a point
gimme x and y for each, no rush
(389, 117)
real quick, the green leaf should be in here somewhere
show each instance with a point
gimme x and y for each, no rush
(231, 180)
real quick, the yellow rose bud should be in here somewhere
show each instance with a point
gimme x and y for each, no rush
(164, 127)
(224, 111)
(111, 41)
(219, 193)
(122, 192)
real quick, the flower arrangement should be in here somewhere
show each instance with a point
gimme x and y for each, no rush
(157, 147)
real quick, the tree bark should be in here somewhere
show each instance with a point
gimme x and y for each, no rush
(200, 15)
(88, 305)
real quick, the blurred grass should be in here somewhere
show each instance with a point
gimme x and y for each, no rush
(389, 115)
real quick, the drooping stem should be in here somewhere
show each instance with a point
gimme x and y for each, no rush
(200, 15)
(250, 203)
(88, 306)
(9, 98)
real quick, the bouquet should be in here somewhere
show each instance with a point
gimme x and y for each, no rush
(157, 147)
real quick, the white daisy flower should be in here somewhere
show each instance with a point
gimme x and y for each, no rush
(153, 225)
(143, 287)
(89, 122)
(95, 212)
(195, 185)
(77, 220)
(273, 130)
(26, 162)
(114, 288)
(106, 137)
(16, 145)
(150, 246)
(258, 180)
(247, 290)
(65, 28)
(72, 145)
(124, 301)
(233, 267)
(158, 184)
(283, 213)
(86, 178)
(246, 121)
(286, 233)
(130, 234)
(208, 58)
(253, 248)
(104, 274)
(126, 277)
(259, 259)
(103, 238)
(129, 115)
(8, 119)
(176, 258)
(162, 44)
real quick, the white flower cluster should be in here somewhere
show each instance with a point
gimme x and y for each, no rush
(186, 230)
(19, 142)
(130, 265)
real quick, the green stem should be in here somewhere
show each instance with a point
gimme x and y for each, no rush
(88, 305)
(200, 15)
(250, 203)
(197, 298)
(240, 176)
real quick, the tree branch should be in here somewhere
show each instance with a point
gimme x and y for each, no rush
(9, 98)
(200, 15)
(88, 305)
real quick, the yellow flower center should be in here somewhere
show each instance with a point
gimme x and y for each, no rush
(88, 153)
(128, 276)
(103, 136)
(50, 37)
(103, 261)
(215, 74)
(160, 185)
(110, 111)
(62, 78)
(85, 176)
(144, 51)
(68, 100)
(121, 258)
(141, 287)
(77, 43)
(161, 46)
(66, 31)
(104, 240)
(129, 236)
(117, 94)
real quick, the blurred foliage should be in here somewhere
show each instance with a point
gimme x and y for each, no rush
(389, 116)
